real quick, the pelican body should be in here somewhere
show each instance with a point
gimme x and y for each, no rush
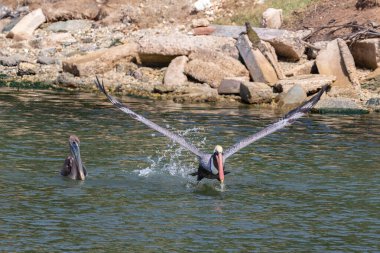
(73, 167)
(212, 165)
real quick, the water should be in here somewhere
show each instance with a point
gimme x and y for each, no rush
(313, 187)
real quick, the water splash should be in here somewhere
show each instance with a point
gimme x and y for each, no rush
(171, 160)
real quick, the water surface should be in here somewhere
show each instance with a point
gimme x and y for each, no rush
(313, 187)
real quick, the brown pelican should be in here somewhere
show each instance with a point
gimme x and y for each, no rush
(212, 165)
(73, 167)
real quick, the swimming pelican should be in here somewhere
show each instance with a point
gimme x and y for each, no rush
(73, 167)
(212, 165)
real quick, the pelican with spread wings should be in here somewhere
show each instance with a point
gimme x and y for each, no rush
(212, 165)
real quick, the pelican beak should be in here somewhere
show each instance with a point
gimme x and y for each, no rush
(74, 147)
(219, 159)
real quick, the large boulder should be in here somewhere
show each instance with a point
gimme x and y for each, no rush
(231, 85)
(25, 27)
(212, 67)
(336, 60)
(310, 83)
(255, 93)
(339, 105)
(99, 61)
(294, 97)
(27, 68)
(260, 69)
(272, 18)
(174, 74)
(366, 53)
(161, 49)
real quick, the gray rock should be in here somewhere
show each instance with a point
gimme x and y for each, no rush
(4, 11)
(366, 53)
(27, 68)
(161, 49)
(339, 105)
(71, 26)
(10, 61)
(231, 85)
(294, 97)
(333, 60)
(373, 103)
(10, 24)
(211, 67)
(24, 29)
(308, 67)
(255, 93)
(46, 60)
(259, 67)
(310, 83)
(174, 74)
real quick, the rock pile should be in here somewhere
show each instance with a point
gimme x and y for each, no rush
(207, 63)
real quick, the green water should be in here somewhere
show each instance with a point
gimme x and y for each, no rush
(313, 187)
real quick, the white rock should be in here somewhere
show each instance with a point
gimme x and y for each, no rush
(202, 5)
(272, 18)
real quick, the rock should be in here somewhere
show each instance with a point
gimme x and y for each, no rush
(55, 12)
(255, 93)
(68, 80)
(339, 105)
(330, 62)
(303, 69)
(201, 5)
(11, 61)
(202, 22)
(312, 52)
(349, 63)
(263, 33)
(25, 27)
(231, 85)
(26, 68)
(203, 71)
(46, 60)
(373, 103)
(270, 54)
(162, 89)
(174, 74)
(259, 67)
(211, 67)
(4, 11)
(203, 30)
(99, 61)
(61, 38)
(310, 83)
(161, 49)
(272, 18)
(293, 98)
(288, 46)
(3, 23)
(366, 53)
(196, 93)
(72, 26)
(9, 24)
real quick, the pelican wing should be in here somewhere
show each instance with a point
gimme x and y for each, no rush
(288, 119)
(180, 140)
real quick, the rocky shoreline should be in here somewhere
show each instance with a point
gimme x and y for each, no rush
(195, 63)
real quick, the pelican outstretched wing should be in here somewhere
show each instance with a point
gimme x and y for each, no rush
(180, 140)
(288, 119)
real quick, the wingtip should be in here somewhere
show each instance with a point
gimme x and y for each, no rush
(100, 85)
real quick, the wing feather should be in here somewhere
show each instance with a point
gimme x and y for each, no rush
(288, 119)
(180, 140)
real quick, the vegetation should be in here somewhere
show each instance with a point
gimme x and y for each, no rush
(253, 12)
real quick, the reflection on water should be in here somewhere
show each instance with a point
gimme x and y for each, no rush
(313, 187)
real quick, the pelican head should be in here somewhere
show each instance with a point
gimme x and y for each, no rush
(75, 152)
(218, 158)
